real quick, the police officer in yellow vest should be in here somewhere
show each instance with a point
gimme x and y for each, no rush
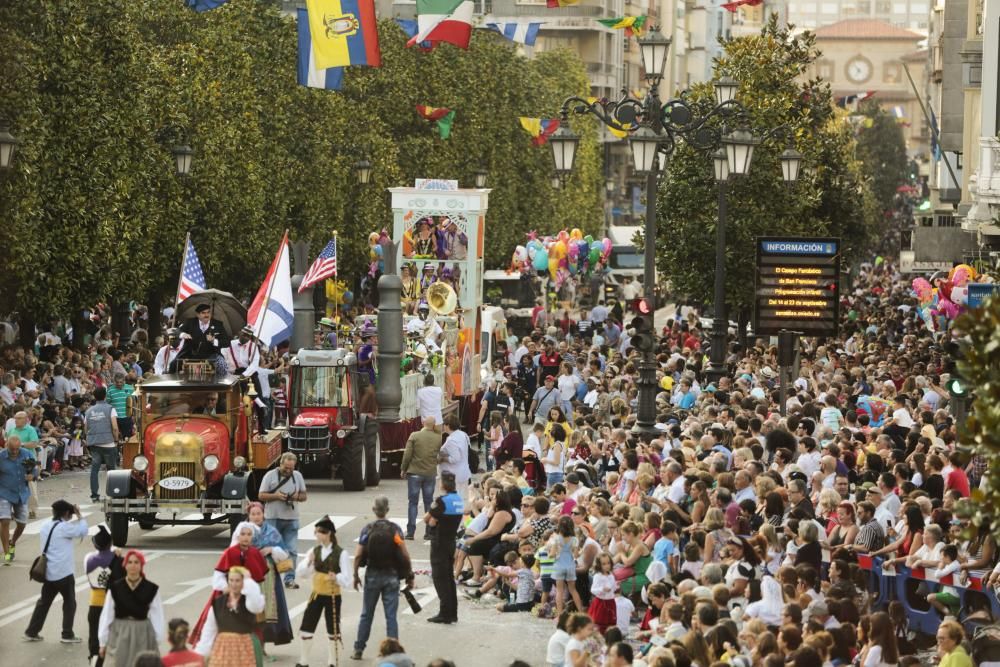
(330, 569)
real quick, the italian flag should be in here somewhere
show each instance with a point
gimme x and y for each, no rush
(443, 21)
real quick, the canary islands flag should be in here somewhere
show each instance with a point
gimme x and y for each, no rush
(344, 32)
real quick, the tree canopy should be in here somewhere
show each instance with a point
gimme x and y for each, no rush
(882, 150)
(831, 197)
(99, 93)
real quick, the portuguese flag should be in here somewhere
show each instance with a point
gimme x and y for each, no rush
(440, 115)
(443, 21)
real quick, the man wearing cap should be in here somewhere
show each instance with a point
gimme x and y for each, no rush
(545, 398)
(445, 517)
(205, 336)
(328, 328)
(167, 355)
(875, 496)
(56, 541)
(818, 611)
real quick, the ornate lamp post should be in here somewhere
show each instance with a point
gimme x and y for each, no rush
(184, 155)
(655, 130)
(8, 146)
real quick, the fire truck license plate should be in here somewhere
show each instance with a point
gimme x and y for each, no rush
(176, 483)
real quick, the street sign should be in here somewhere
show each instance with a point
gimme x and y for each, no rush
(797, 286)
(978, 292)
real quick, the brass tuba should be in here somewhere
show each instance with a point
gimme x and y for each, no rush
(442, 298)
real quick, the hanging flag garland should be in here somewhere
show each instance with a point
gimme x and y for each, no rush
(540, 129)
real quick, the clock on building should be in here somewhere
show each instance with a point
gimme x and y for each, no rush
(858, 69)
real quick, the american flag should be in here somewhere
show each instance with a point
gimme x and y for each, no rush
(324, 266)
(192, 277)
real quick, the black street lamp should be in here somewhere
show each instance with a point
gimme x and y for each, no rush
(363, 169)
(184, 155)
(8, 145)
(479, 177)
(655, 130)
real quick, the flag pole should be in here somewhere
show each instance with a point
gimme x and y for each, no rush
(267, 297)
(180, 279)
(336, 288)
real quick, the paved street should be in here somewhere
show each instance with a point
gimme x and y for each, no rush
(182, 559)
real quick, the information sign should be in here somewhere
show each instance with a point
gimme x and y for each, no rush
(798, 286)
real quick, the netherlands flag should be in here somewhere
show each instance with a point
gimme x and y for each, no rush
(271, 313)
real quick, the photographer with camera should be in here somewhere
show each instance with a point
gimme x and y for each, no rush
(17, 468)
(280, 490)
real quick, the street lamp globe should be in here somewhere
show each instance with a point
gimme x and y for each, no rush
(363, 168)
(479, 177)
(644, 144)
(609, 186)
(653, 49)
(564, 144)
(791, 163)
(8, 144)
(184, 156)
(725, 89)
(721, 163)
(739, 147)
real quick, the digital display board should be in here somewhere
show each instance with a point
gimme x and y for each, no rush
(979, 292)
(798, 286)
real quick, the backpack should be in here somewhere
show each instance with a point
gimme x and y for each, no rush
(381, 551)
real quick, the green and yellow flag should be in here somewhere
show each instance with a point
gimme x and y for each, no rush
(632, 25)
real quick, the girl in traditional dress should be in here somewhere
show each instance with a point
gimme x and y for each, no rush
(410, 294)
(330, 568)
(277, 628)
(425, 242)
(228, 637)
(132, 619)
(241, 552)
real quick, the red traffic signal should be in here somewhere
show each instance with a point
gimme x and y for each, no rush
(644, 307)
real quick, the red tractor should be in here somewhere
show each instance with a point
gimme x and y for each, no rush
(325, 429)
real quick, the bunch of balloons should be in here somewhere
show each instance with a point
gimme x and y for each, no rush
(943, 297)
(564, 255)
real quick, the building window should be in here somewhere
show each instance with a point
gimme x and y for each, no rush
(482, 6)
(899, 8)
(883, 7)
(945, 220)
(926, 221)
(864, 6)
(825, 69)
(829, 8)
(892, 73)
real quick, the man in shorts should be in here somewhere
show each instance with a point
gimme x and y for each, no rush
(17, 468)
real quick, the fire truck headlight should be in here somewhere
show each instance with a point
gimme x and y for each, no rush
(140, 463)
(240, 463)
(211, 463)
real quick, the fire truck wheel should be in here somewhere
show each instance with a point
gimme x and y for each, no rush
(118, 522)
(353, 463)
(146, 521)
(373, 460)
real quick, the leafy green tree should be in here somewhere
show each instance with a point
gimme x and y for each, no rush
(99, 93)
(979, 367)
(882, 150)
(831, 197)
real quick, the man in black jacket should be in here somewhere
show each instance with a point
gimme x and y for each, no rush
(205, 336)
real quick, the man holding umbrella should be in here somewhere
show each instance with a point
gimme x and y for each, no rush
(205, 335)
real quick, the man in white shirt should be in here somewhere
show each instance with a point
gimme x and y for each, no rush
(809, 456)
(675, 476)
(454, 454)
(744, 487)
(430, 398)
(59, 533)
(169, 352)
(521, 350)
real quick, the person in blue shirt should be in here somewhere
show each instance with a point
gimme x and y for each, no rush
(685, 397)
(56, 542)
(17, 467)
(445, 517)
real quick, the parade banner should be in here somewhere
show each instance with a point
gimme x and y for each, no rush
(798, 286)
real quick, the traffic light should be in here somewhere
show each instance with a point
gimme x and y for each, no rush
(956, 386)
(641, 332)
(644, 307)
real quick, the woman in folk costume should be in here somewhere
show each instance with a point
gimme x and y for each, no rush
(242, 553)
(228, 638)
(331, 570)
(277, 627)
(132, 619)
